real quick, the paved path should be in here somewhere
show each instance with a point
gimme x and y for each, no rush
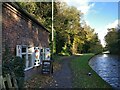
(63, 77)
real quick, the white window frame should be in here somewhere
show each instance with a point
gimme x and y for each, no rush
(20, 53)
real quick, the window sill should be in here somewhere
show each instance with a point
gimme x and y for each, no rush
(28, 68)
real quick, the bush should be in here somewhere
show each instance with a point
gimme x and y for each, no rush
(18, 69)
(13, 64)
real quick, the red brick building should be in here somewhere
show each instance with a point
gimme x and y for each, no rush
(21, 31)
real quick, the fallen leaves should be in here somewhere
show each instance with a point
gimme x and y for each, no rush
(38, 81)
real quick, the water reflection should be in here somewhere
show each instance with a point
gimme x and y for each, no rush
(105, 55)
(108, 67)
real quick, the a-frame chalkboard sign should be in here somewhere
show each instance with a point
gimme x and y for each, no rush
(47, 67)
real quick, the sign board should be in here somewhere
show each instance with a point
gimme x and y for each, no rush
(37, 55)
(47, 67)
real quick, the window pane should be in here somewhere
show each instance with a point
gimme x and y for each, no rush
(29, 60)
(24, 56)
(29, 49)
(41, 50)
(23, 49)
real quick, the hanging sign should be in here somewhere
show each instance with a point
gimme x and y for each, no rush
(37, 55)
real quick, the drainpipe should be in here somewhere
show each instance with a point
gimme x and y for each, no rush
(52, 34)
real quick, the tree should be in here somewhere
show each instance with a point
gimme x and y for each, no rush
(112, 40)
(42, 11)
(67, 26)
(71, 34)
(118, 44)
(91, 42)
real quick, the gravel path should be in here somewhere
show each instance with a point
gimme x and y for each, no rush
(63, 77)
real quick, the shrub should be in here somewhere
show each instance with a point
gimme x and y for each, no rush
(14, 64)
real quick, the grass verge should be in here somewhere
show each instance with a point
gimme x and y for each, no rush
(81, 79)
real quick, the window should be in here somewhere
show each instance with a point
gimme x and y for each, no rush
(42, 54)
(33, 56)
(45, 54)
(29, 60)
(26, 53)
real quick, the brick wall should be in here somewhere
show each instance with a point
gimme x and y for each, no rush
(17, 29)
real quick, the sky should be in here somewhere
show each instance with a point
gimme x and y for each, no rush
(99, 15)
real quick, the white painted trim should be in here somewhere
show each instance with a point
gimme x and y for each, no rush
(26, 58)
(28, 68)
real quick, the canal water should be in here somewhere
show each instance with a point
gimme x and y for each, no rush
(108, 67)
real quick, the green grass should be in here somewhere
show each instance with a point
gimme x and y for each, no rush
(80, 70)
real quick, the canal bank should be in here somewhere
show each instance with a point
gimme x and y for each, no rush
(84, 76)
(107, 67)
